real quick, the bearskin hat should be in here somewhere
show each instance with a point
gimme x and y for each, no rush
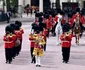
(69, 15)
(18, 23)
(58, 10)
(13, 25)
(40, 19)
(41, 14)
(46, 16)
(35, 27)
(66, 27)
(77, 9)
(37, 14)
(9, 29)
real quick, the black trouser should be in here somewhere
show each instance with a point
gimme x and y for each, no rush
(65, 53)
(20, 46)
(45, 46)
(13, 52)
(32, 56)
(53, 30)
(17, 50)
(8, 54)
(48, 33)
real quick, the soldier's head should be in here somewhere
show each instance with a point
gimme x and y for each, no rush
(9, 29)
(18, 23)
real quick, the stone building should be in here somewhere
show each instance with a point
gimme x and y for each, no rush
(43, 4)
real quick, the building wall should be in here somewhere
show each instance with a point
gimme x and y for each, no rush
(53, 1)
(1, 5)
(27, 2)
(61, 2)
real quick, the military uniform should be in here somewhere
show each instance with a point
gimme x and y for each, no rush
(32, 43)
(38, 49)
(9, 43)
(66, 38)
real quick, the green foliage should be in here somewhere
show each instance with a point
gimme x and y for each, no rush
(14, 2)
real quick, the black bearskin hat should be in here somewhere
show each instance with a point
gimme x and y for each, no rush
(18, 23)
(13, 25)
(41, 14)
(77, 9)
(9, 29)
(69, 15)
(46, 16)
(35, 27)
(58, 10)
(66, 27)
(37, 14)
(40, 19)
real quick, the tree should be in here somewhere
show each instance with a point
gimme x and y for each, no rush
(11, 4)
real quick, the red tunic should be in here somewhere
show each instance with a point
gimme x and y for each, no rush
(82, 20)
(32, 41)
(14, 38)
(75, 15)
(9, 41)
(48, 25)
(66, 40)
(63, 20)
(56, 19)
(71, 21)
(19, 33)
(22, 31)
(51, 21)
(45, 31)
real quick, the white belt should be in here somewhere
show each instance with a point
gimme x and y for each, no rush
(32, 41)
(8, 42)
(65, 41)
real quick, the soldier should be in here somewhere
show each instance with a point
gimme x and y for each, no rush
(47, 21)
(19, 31)
(66, 38)
(45, 32)
(38, 49)
(32, 42)
(9, 43)
(14, 42)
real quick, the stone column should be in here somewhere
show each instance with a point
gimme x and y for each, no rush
(40, 5)
(5, 6)
(81, 4)
(52, 1)
(20, 5)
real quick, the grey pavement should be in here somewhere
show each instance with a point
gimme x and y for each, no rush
(52, 59)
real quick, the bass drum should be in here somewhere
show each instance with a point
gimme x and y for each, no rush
(17, 43)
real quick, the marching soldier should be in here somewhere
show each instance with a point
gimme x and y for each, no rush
(66, 38)
(9, 43)
(32, 42)
(14, 42)
(38, 49)
(19, 31)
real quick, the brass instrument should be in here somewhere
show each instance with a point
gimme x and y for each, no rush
(68, 33)
(17, 42)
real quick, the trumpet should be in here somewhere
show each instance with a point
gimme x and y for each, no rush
(67, 33)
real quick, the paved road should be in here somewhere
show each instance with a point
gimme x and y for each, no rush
(52, 59)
